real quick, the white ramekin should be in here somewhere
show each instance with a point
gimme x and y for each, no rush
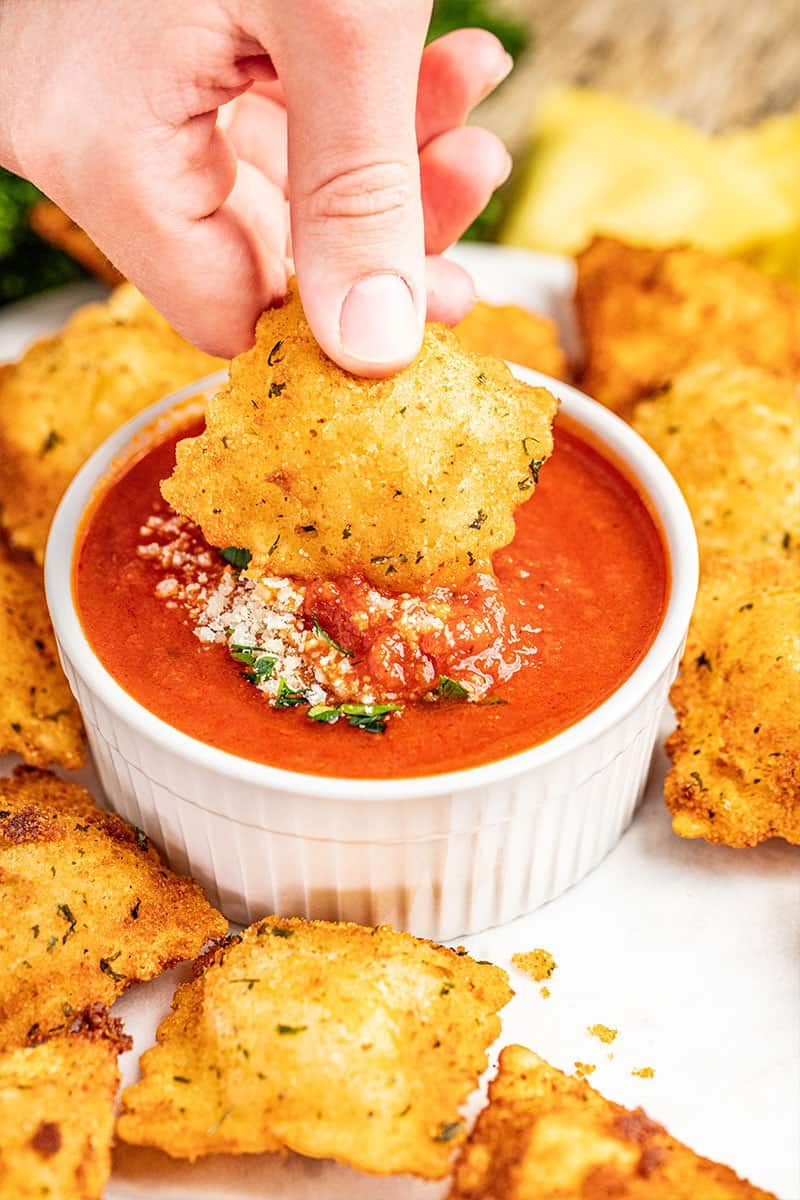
(441, 855)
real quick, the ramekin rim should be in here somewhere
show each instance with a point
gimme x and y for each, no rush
(641, 461)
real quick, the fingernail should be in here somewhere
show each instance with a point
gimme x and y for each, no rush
(505, 171)
(504, 68)
(379, 323)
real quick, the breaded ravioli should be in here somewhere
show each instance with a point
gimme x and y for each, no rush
(730, 434)
(318, 473)
(645, 314)
(69, 392)
(39, 718)
(86, 906)
(514, 333)
(49, 222)
(549, 1136)
(735, 774)
(333, 1040)
(57, 1111)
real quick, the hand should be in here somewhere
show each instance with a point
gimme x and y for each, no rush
(203, 144)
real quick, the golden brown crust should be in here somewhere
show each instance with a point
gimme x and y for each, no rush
(57, 1112)
(39, 718)
(54, 226)
(548, 1136)
(515, 334)
(645, 314)
(333, 1040)
(735, 774)
(730, 434)
(319, 473)
(69, 392)
(86, 906)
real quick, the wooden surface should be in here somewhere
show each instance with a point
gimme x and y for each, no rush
(716, 63)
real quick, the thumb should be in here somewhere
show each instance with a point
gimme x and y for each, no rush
(350, 75)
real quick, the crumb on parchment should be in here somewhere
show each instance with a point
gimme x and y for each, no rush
(583, 1069)
(538, 964)
(544, 992)
(606, 1033)
(643, 1072)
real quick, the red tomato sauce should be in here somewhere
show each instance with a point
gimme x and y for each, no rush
(586, 574)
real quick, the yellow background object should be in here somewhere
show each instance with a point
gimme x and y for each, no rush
(600, 164)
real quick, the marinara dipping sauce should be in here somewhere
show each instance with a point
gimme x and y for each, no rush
(586, 576)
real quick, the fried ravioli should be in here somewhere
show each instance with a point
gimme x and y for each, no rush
(86, 906)
(645, 314)
(735, 775)
(319, 473)
(57, 1112)
(730, 434)
(549, 1136)
(38, 715)
(69, 392)
(333, 1040)
(55, 227)
(514, 333)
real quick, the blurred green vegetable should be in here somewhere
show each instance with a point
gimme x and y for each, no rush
(27, 264)
(483, 14)
(515, 36)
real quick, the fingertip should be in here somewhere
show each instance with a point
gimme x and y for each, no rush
(451, 291)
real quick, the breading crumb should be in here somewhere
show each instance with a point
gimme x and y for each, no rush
(604, 1032)
(583, 1069)
(643, 1072)
(538, 964)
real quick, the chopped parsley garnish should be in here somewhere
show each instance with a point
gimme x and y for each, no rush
(287, 697)
(697, 777)
(107, 969)
(213, 1128)
(262, 663)
(448, 1131)
(141, 838)
(478, 520)
(66, 912)
(369, 717)
(451, 689)
(237, 556)
(181, 1079)
(271, 359)
(55, 716)
(250, 982)
(703, 660)
(50, 442)
(326, 637)
(324, 714)
(291, 1028)
(275, 389)
(536, 465)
